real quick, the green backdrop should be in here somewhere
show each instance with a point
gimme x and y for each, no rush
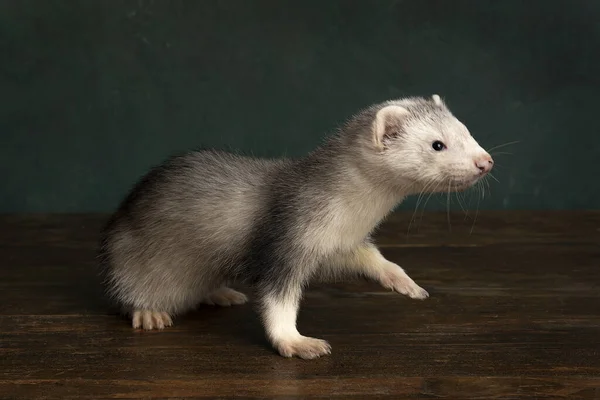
(92, 93)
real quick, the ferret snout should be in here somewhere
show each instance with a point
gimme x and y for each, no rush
(484, 163)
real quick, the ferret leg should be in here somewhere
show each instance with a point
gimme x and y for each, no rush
(225, 297)
(279, 312)
(367, 260)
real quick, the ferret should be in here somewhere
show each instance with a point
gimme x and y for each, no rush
(204, 219)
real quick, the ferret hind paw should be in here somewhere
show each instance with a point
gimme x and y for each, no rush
(225, 297)
(149, 320)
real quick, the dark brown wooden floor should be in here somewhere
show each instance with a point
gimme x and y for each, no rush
(514, 313)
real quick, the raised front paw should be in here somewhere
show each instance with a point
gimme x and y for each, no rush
(397, 280)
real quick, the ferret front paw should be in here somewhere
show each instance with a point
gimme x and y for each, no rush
(414, 291)
(304, 347)
(398, 281)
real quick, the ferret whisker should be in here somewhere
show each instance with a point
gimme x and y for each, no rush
(448, 209)
(430, 182)
(485, 192)
(426, 201)
(493, 177)
(503, 145)
(501, 153)
(460, 204)
(413, 215)
(475, 219)
(476, 191)
(468, 200)
(481, 184)
(463, 195)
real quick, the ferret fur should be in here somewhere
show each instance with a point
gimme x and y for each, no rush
(202, 220)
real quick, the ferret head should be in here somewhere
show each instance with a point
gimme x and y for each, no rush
(422, 143)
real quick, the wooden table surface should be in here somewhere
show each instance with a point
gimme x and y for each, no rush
(514, 313)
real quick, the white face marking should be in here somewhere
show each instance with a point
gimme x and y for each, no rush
(437, 152)
(460, 156)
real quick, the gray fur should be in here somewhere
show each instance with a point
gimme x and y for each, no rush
(207, 218)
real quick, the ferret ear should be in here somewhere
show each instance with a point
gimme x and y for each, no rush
(387, 124)
(437, 100)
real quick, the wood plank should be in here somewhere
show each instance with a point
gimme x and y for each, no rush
(318, 388)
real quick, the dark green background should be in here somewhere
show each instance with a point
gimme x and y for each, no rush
(92, 93)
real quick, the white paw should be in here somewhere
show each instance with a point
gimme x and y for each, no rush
(304, 347)
(149, 320)
(225, 297)
(398, 281)
(415, 291)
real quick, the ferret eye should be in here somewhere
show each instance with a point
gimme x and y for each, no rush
(438, 146)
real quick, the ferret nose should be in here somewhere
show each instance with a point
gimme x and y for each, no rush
(484, 164)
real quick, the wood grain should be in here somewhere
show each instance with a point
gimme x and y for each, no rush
(514, 313)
